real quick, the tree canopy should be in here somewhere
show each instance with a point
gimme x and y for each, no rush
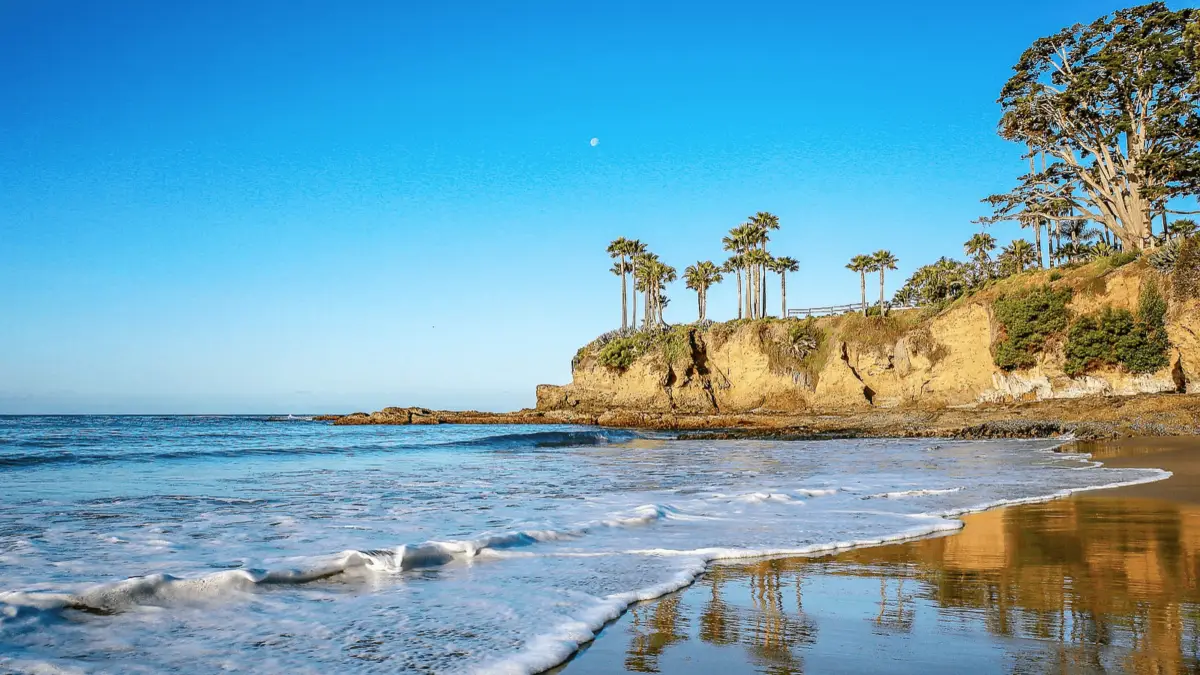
(1111, 108)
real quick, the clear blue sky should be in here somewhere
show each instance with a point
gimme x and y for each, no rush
(315, 206)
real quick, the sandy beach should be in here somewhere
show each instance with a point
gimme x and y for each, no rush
(1103, 581)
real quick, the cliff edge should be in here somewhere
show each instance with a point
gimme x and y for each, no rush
(1007, 342)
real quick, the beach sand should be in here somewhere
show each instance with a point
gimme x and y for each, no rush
(1105, 581)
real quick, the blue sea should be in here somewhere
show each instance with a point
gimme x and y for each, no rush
(249, 544)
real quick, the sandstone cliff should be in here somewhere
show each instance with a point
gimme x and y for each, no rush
(914, 358)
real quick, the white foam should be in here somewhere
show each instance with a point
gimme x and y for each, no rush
(901, 494)
(759, 497)
(816, 492)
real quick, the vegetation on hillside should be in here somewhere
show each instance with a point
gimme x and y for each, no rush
(1116, 337)
(1028, 317)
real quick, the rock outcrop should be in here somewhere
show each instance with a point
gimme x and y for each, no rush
(394, 415)
(912, 360)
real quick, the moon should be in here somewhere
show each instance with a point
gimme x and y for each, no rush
(594, 142)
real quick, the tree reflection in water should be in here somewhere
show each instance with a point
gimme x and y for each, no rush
(1088, 584)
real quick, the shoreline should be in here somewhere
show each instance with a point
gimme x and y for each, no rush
(1088, 418)
(1178, 456)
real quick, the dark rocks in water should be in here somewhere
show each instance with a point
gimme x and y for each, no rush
(415, 415)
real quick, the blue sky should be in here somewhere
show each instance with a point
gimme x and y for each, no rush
(312, 206)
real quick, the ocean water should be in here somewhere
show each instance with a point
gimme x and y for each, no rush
(202, 544)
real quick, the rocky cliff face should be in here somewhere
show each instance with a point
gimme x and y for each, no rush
(911, 359)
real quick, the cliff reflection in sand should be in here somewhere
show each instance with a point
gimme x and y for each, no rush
(1089, 584)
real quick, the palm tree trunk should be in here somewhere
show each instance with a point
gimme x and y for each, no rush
(862, 277)
(758, 308)
(782, 293)
(657, 305)
(739, 285)
(764, 288)
(624, 297)
(881, 310)
(749, 315)
(753, 298)
(647, 306)
(763, 283)
(752, 292)
(633, 276)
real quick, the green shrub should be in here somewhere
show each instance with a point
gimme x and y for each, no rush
(1028, 318)
(1115, 337)
(618, 354)
(1055, 275)
(1092, 340)
(671, 344)
(1122, 258)
(676, 343)
(1152, 307)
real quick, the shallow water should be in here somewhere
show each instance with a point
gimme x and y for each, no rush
(150, 544)
(1089, 584)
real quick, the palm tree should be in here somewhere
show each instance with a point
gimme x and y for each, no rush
(652, 274)
(746, 237)
(861, 264)
(643, 272)
(883, 260)
(1079, 232)
(662, 274)
(1183, 227)
(1036, 223)
(980, 247)
(757, 260)
(633, 249)
(782, 266)
(764, 222)
(1020, 254)
(619, 248)
(699, 278)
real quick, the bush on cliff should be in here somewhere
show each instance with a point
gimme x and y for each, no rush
(672, 344)
(804, 337)
(1115, 337)
(793, 346)
(1028, 318)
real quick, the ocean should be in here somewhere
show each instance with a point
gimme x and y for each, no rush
(247, 544)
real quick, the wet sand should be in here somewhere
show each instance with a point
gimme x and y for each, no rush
(1106, 581)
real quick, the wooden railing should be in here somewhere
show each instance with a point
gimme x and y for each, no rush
(825, 311)
(842, 309)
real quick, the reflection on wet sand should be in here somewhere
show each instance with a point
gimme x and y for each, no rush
(1089, 584)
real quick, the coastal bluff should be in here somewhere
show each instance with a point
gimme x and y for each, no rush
(926, 359)
(915, 372)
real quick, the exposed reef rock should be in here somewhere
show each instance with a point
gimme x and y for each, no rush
(426, 416)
